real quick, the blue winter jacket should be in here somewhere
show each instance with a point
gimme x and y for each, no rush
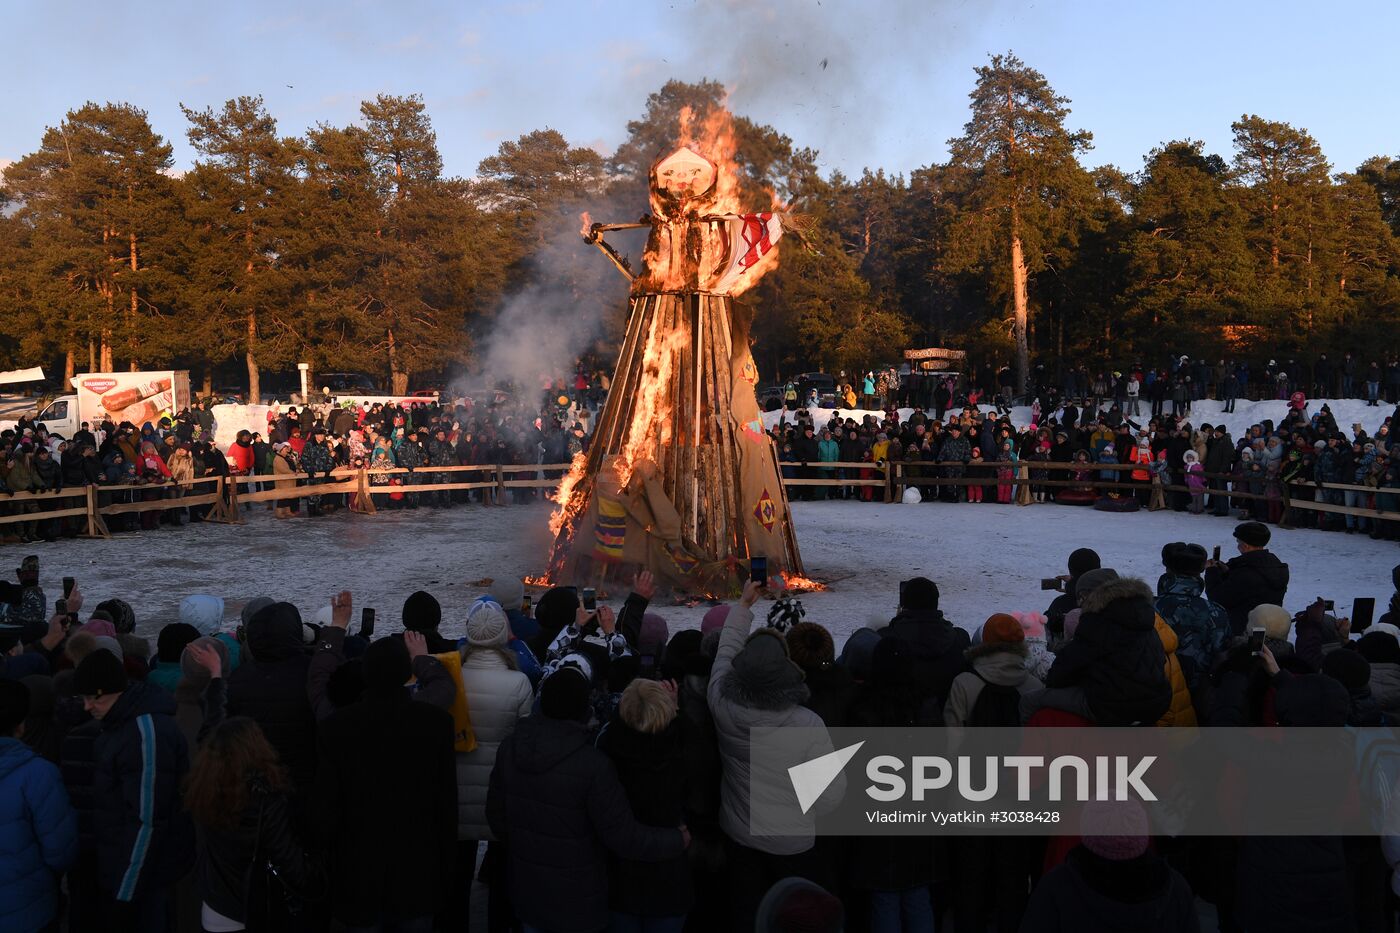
(1201, 626)
(144, 840)
(38, 837)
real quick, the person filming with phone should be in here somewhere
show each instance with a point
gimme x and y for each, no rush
(1257, 576)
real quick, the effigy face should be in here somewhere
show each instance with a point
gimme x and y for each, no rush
(684, 174)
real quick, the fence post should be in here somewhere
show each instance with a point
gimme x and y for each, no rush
(500, 485)
(96, 527)
(364, 502)
(889, 480)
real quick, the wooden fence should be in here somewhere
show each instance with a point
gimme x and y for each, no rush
(223, 495)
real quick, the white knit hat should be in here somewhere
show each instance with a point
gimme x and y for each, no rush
(487, 625)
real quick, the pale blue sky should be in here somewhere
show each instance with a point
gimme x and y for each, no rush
(893, 91)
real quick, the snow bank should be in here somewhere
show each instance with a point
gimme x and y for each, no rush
(1347, 412)
(984, 558)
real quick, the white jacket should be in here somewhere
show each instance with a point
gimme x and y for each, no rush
(733, 720)
(497, 697)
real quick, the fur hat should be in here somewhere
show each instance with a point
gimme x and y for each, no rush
(108, 643)
(1274, 620)
(1102, 596)
(1183, 559)
(421, 612)
(810, 646)
(1255, 534)
(487, 625)
(785, 613)
(508, 592)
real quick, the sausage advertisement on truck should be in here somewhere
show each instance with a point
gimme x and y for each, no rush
(134, 397)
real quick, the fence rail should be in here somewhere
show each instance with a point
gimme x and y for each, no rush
(889, 478)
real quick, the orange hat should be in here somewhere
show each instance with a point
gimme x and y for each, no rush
(1002, 629)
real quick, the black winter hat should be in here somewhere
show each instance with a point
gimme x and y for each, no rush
(1395, 577)
(920, 594)
(14, 706)
(1255, 534)
(386, 664)
(556, 609)
(99, 674)
(564, 694)
(1188, 560)
(346, 684)
(1082, 561)
(171, 641)
(1379, 648)
(1349, 668)
(422, 612)
(1312, 700)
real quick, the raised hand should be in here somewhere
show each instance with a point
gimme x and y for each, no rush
(340, 610)
(645, 585)
(416, 644)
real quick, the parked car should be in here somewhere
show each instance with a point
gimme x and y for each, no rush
(770, 398)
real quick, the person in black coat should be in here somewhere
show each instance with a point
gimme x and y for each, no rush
(1254, 578)
(644, 742)
(269, 687)
(124, 770)
(556, 801)
(936, 643)
(385, 804)
(1081, 561)
(1115, 656)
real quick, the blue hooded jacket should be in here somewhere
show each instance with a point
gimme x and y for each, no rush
(38, 837)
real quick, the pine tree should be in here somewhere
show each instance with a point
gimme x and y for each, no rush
(102, 214)
(1025, 191)
(236, 199)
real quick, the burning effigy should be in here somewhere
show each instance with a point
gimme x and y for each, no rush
(680, 478)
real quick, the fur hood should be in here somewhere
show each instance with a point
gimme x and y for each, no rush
(1018, 648)
(1114, 590)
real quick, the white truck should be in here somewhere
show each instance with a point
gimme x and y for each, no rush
(135, 397)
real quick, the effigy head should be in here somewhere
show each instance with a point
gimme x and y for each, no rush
(683, 176)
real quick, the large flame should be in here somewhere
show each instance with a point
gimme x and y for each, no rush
(715, 139)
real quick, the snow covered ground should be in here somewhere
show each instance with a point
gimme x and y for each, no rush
(1246, 413)
(985, 558)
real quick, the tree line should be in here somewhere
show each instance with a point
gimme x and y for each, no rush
(349, 248)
